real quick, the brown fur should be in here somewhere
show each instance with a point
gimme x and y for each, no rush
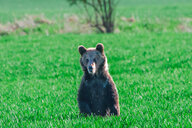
(97, 94)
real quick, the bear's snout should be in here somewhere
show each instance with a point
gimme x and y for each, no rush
(92, 68)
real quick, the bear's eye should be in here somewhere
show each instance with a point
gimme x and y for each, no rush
(87, 60)
(94, 60)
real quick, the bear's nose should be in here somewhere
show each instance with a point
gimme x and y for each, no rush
(90, 68)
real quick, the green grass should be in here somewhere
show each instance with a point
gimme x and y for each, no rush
(150, 62)
(40, 76)
(11, 10)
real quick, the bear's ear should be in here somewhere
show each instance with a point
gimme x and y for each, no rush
(100, 48)
(82, 49)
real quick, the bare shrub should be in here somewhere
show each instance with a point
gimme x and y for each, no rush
(102, 14)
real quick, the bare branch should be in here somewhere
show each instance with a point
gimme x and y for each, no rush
(104, 11)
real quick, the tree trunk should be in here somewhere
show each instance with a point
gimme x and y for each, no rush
(109, 28)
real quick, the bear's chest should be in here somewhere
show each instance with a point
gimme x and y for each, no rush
(98, 94)
(97, 88)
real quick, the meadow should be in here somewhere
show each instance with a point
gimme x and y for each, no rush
(150, 62)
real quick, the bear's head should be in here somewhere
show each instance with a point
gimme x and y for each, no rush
(93, 60)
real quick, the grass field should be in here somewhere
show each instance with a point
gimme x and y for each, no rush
(40, 75)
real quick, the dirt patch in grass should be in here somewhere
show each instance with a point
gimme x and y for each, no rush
(29, 21)
(75, 24)
(34, 23)
(185, 25)
(39, 24)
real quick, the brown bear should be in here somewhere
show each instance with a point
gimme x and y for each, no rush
(97, 94)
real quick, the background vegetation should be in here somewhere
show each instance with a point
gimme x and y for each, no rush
(149, 59)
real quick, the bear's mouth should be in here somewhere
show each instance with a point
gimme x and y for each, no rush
(91, 69)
